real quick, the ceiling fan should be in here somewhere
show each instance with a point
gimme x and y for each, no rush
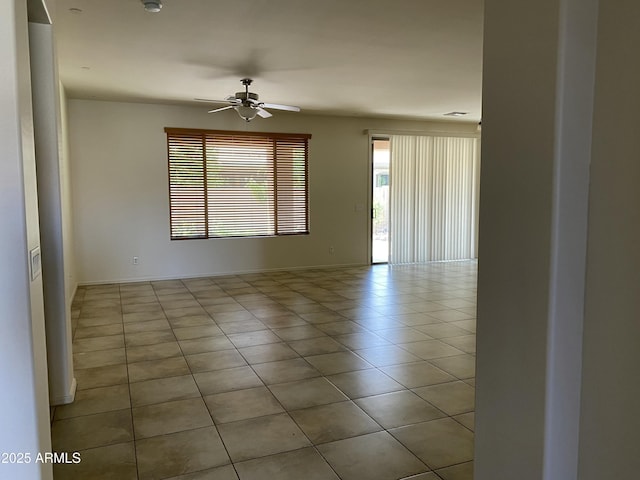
(247, 104)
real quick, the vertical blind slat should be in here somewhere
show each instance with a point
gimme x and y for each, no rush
(433, 198)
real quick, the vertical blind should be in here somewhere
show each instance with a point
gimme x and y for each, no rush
(433, 198)
(237, 184)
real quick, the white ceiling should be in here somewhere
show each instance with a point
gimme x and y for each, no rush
(407, 58)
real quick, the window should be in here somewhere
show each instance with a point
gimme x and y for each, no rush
(237, 184)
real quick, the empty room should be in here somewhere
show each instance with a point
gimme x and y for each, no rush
(327, 240)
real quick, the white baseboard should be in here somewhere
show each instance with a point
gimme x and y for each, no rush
(219, 274)
(65, 399)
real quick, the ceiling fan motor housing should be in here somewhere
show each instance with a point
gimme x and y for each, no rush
(243, 96)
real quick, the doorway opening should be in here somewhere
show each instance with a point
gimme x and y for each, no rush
(380, 201)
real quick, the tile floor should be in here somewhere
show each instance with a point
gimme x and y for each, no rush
(360, 373)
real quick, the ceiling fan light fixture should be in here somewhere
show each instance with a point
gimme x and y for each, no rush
(246, 113)
(153, 6)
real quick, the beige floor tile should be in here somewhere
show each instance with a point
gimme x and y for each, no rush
(242, 404)
(325, 316)
(84, 322)
(148, 309)
(416, 319)
(92, 344)
(466, 343)
(340, 328)
(226, 472)
(419, 374)
(188, 333)
(453, 398)
(439, 443)
(376, 456)
(95, 400)
(284, 321)
(87, 378)
(207, 344)
(153, 352)
(191, 321)
(423, 476)
(86, 312)
(306, 393)
(149, 326)
(410, 327)
(208, 361)
(170, 417)
(466, 419)
(312, 307)
(139, 299)
(338, 362)
(220, 381)
(155, 314)
(242, 326)
(285, 371)
(98, 331)
(91, 431)
(430, 349)
(442, 330)
(398, 409)
(362, 340)
(163, 390)
(166, 367)
(103, 463)
(403, 335)
(316, 346)
(469, 325)
(250, 339)
(180, 453)
(305, 464)
(169, 305)
(386, 355)
(363, 383)
(224, 304)
(464, 471)
(271, 352)
(101, 358)
(298, 333)
(248, 439)
(336, 421)
(450, 315)
(232, 316)
(182, 312)
(149, 338)
(461, 366)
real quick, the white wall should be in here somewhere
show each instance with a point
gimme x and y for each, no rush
(24, 409)
(53, 211)
(610, 424)
(71, 277)
(120, 192)
(558, 303)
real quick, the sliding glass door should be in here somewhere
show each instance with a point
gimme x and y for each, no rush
(380, 202)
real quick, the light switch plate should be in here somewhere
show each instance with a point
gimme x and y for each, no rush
(35, 263)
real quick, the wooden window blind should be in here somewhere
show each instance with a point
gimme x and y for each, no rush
(237, 184)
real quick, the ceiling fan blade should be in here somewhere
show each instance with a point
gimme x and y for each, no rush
(220, 109)
(276, 106)
(263, 113)
(215, 101)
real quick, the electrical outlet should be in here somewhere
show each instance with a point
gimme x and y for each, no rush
(332, 250)
(135, 260)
